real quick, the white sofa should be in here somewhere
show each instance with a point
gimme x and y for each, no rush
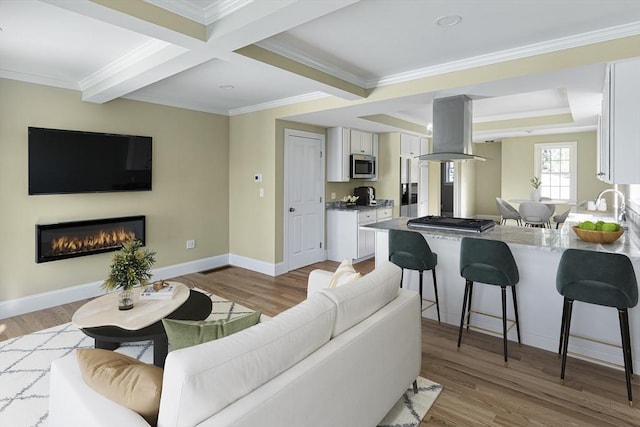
(342, 357)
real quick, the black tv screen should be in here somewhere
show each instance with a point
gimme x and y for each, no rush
(69, 161)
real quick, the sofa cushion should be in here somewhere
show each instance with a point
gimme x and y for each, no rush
(123, 379)
(185, 333)
(364, 297)
(344, 274)
(201, 380)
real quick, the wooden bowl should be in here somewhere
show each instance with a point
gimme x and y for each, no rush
(597, 236)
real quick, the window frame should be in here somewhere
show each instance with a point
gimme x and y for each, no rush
(573, 162)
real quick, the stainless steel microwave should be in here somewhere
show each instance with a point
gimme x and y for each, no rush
(362, 166)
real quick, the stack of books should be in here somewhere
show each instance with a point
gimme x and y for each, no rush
(167, 292)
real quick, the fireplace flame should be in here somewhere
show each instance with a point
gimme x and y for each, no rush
(101, 240)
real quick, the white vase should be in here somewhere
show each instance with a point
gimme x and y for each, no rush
(535, 195)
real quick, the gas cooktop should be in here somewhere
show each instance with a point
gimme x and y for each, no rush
(451, 223)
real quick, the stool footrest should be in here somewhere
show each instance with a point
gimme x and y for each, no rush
(511, 323)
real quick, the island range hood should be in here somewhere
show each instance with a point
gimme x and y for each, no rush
(452, 117)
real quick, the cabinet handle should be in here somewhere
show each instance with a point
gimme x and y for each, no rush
(292, 209)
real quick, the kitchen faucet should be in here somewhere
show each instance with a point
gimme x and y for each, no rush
(622, 216)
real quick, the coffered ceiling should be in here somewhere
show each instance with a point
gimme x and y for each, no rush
(235, 56)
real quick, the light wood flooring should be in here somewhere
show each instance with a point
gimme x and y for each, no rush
(478, 388)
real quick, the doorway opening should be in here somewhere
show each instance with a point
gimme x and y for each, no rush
(447, 173)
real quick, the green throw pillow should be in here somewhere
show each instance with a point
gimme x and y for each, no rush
(185, 333)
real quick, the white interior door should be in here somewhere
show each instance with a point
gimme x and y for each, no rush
(304, 198)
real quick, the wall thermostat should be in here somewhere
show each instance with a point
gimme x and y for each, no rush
(257, 177)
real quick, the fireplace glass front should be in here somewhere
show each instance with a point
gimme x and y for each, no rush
(81, 238)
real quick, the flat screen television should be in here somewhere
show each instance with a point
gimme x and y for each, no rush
(69, 161)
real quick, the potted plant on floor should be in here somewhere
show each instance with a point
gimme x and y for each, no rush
(130, 266)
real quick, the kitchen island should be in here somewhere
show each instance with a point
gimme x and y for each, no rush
(537, 252)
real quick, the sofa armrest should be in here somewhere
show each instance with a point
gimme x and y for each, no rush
(318, 279)
(73, 403)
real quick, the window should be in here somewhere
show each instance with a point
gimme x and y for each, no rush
(555, 164)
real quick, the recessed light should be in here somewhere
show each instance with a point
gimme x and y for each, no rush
(226, 87)
(449, 20)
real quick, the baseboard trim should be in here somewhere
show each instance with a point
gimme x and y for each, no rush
(256, 265)
(18, 306)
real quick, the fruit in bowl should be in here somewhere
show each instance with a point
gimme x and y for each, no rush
(598, 232)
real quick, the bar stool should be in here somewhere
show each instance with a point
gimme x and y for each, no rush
(490, 262)
(409, 249)
(600, 278)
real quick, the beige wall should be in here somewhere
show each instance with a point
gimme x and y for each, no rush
(190, 185)
(518, 164)
(488, 181)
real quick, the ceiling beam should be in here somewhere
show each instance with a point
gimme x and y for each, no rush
(188, 43)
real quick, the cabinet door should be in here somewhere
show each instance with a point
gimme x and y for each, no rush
(409, 146)
(342, 235)
(366, 243)
(624, 123)
(338, 147)
(361, 142)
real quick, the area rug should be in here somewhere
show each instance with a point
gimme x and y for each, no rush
(25, 363)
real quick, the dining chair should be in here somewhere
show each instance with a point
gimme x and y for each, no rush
(560, 218)
(507, 211)
(535, 214)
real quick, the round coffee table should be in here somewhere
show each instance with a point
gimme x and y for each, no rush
(101, 320)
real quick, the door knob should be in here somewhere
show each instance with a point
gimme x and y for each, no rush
(292, 209)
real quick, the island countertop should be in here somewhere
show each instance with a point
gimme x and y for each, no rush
(543, 239)
(537, 253)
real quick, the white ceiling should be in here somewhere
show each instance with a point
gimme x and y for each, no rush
(107, 54)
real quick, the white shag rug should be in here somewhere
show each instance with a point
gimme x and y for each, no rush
(25, 362)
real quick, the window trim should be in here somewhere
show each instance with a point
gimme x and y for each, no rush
(573, 163)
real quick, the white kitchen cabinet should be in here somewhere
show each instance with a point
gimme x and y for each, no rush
(361, 142)
(409, 146)
(341, 143)
(619, 126)
(345, 239)
(338, 150)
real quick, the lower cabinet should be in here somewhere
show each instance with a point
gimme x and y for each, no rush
(345, 239)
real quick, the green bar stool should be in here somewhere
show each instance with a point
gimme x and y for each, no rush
(409, 249)
(600, 278)
(490, 262)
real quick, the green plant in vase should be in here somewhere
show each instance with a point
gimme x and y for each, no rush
(535, 183)
(130, 266)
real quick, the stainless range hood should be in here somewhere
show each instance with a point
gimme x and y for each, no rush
(452, 118)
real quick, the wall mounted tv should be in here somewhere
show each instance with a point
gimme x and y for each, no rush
(69, 161)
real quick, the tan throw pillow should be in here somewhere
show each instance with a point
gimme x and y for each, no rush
(185, 333)
(344, 274)
(123, 379)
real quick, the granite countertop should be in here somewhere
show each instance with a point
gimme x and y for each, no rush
(342, 206)
(544, 239)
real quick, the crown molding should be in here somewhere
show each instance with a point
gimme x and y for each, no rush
(298, 56)
(169, 103)
(476, 61)
(278, 103)
(569, 42)
(215, 11)
(39, 79)
(522, 115)
(125, 62)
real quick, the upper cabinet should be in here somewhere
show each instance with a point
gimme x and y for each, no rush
(361, 142)
(341, 143)
(338, 150)
(619, 125)
(413, 146)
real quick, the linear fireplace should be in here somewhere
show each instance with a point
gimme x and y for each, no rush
(81, 238)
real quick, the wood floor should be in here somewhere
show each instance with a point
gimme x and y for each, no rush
(478, 388)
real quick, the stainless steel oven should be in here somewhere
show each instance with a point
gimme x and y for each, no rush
(363, 166)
